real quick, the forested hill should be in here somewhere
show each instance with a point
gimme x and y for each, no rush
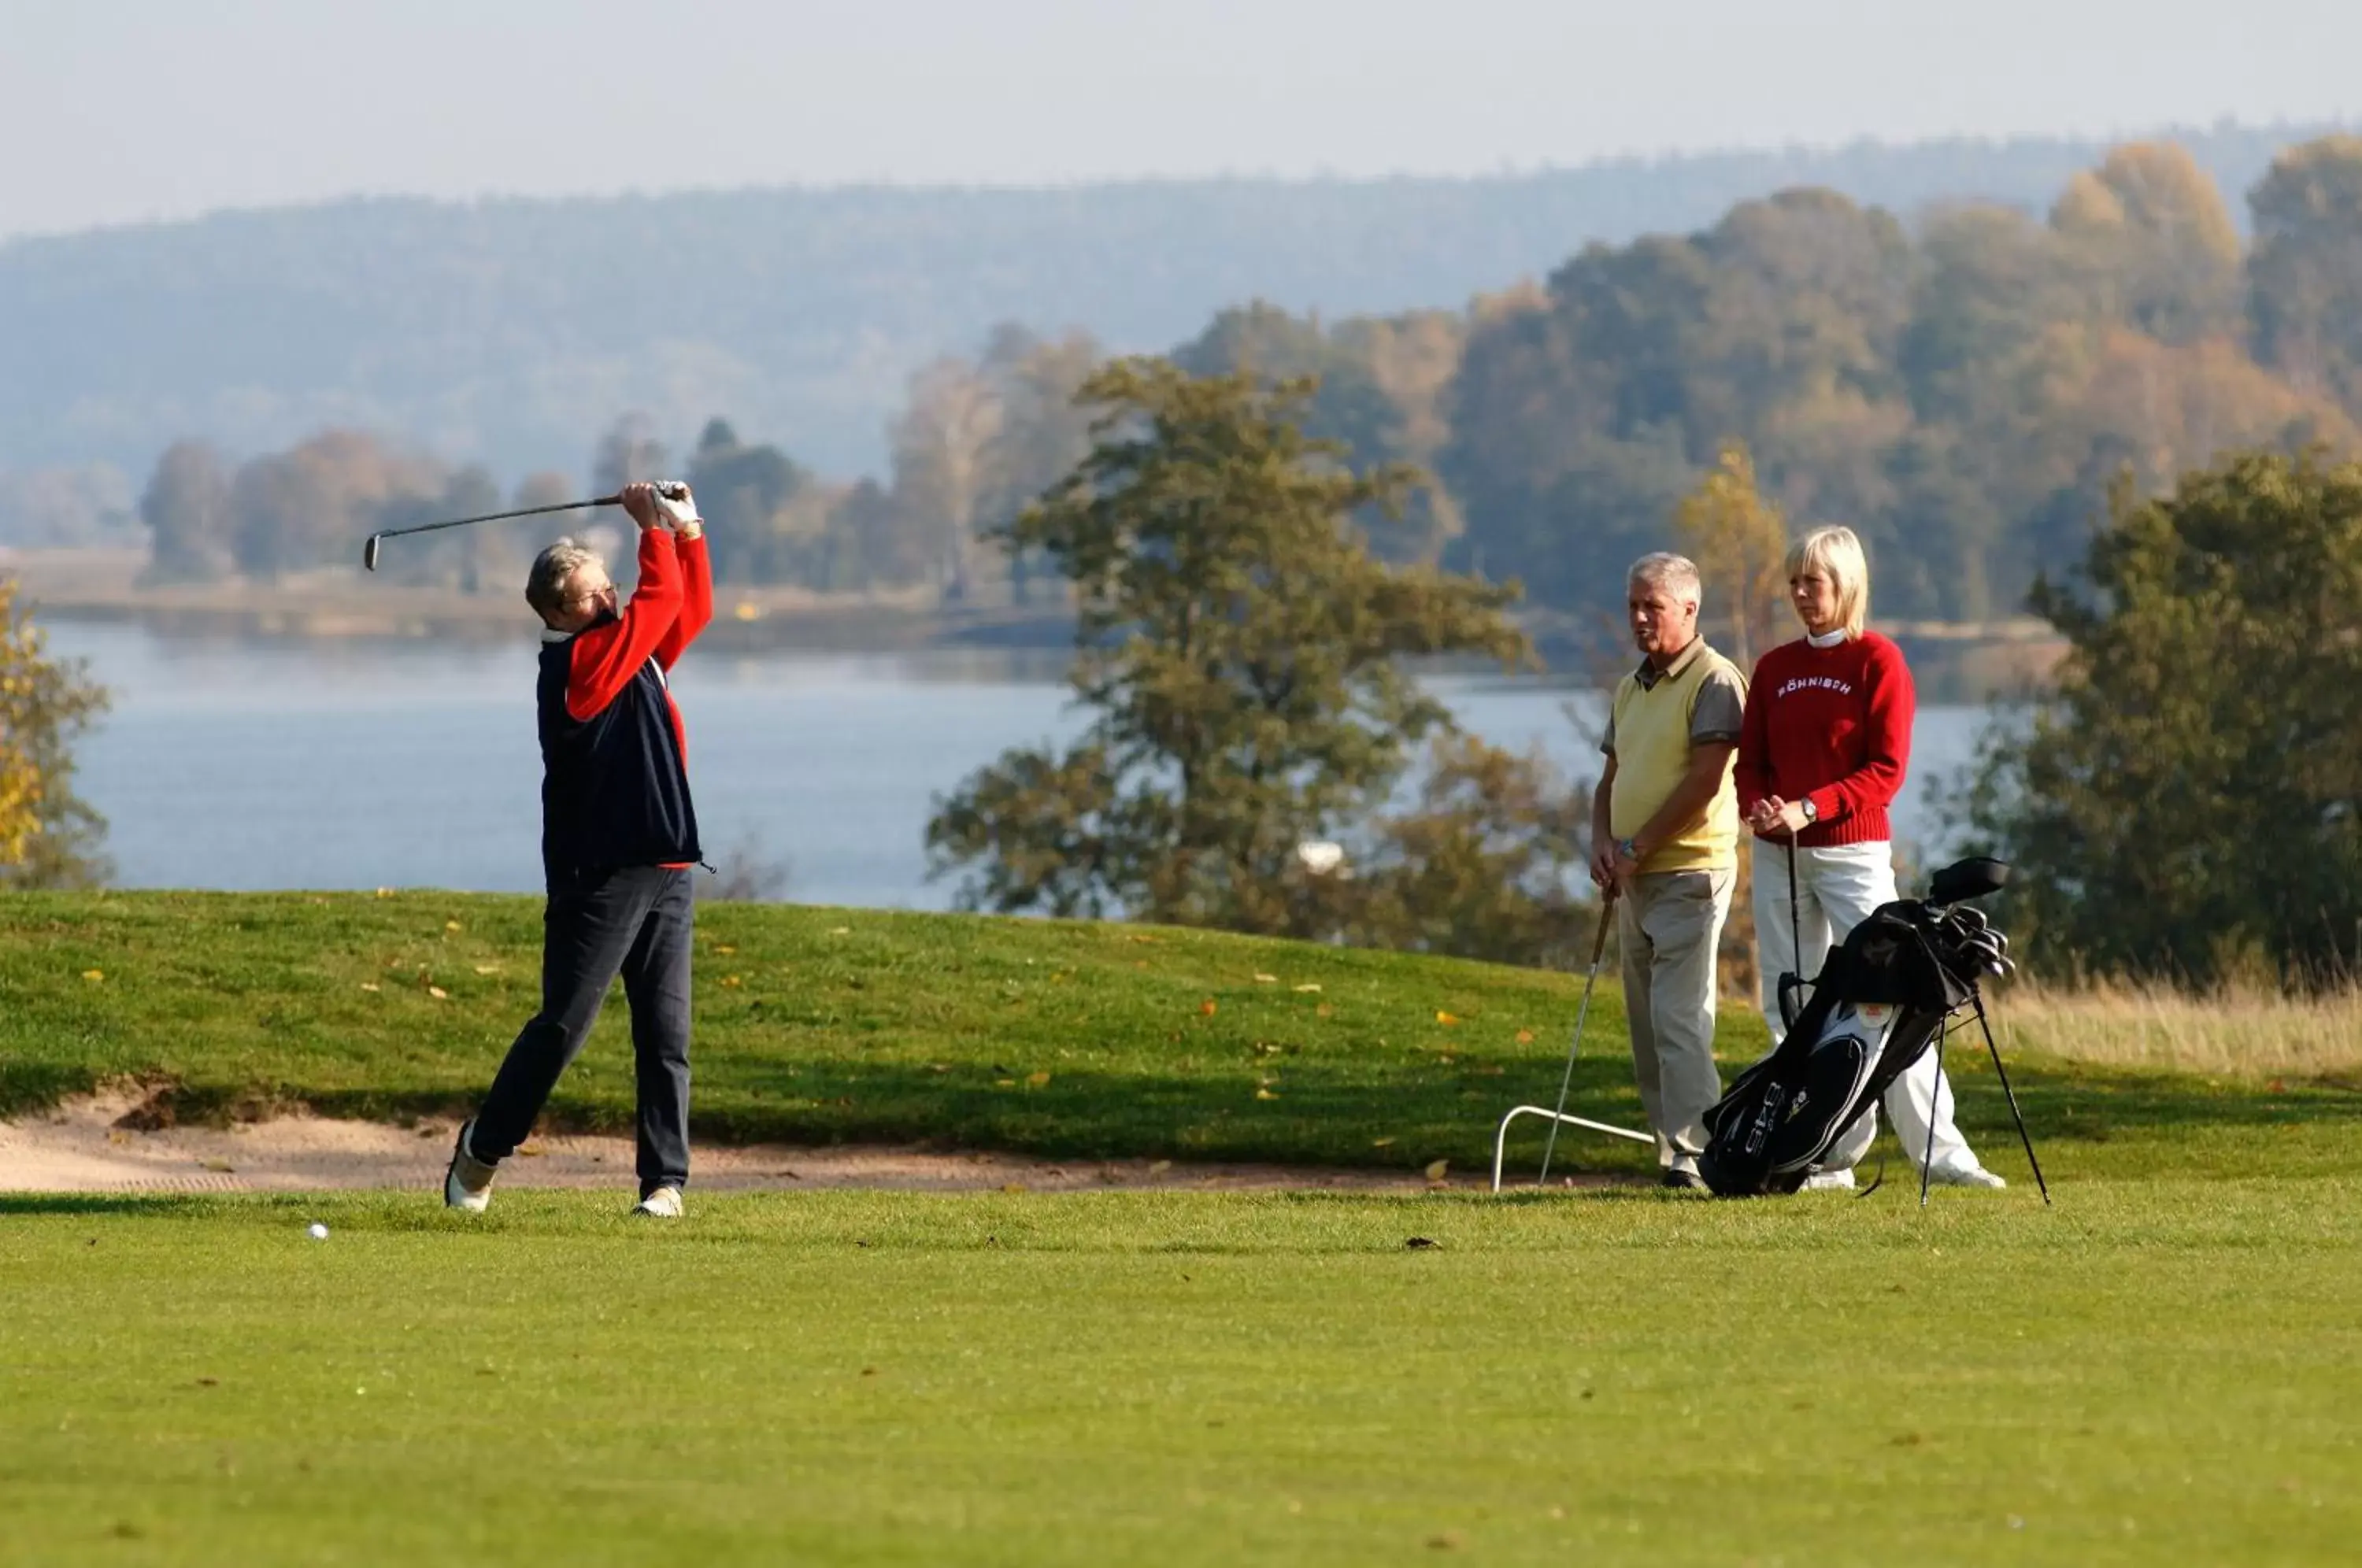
(509, 330)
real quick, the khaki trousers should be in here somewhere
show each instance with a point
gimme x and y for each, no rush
(1668, 926)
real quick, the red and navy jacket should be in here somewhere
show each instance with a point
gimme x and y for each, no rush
(614, 783)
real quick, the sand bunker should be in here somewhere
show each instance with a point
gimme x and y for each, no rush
(82, 1146)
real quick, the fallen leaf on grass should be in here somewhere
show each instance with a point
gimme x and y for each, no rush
(1449, 1540)
(1158, 1167)
(1037, 1079)
(1206, 1008)
(94, 974)
(224, 1167)
(840, 931)
(1013, 1187)
(1267, 979)
(1004, 1083)
(1436, 1169)
(487, 968)
(451, 925)
(733, 981)
(724, 948)
(1135, 936)
(1266, 1094)
(1308, 987)
(1446, 1019)
(530, 1151)
(385, 892)
(1381, 1142)
(371, 985)
(438, 993)
(1525, 1036)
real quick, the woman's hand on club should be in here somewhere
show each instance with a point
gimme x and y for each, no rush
(1772, 816)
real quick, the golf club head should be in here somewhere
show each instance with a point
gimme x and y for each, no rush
(369, 553)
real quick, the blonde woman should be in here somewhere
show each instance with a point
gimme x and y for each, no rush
(1822, 750)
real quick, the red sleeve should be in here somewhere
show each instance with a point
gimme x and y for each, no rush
(605, 658)
(1887, 749)
(696, 603)
(1752, 772)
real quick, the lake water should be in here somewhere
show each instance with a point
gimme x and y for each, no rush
(257, 764)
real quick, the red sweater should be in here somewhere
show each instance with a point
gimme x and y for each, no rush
(1831, 726)
(672, 603)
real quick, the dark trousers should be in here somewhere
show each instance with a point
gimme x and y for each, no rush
(638, 922)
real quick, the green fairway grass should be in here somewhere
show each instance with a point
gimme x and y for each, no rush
(1062, 1039)
(2153, 1370)
(2164, 1366)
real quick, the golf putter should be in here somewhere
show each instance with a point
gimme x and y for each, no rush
(1598, 947)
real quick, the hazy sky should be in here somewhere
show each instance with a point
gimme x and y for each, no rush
(121, 110)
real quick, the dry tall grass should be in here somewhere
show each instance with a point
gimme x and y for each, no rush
(2235, 1032)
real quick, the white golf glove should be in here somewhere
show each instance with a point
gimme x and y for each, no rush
(680, 508)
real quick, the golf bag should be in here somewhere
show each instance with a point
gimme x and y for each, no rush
(1884, 996)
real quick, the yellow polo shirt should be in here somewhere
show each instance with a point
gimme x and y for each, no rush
(1657, 717)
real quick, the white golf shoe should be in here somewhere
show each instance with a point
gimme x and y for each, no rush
(1965, 1176)
(1828, 1181)
(664, 1203)
(468, 1184)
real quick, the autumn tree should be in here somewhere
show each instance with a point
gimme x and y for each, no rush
(1241, 654)
(1740, 546)
(2186, 800)
(1043, 431)
(942, 449)
(186, 509)
(2305, 278)
(2156, 246)
(49, 837)
(312, 503)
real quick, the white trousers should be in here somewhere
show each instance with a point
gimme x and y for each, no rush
(1836, 887)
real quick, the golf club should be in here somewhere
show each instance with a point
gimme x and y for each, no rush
(1598, 946)
(671, 489)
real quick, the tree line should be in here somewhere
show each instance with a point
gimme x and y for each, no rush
(1962, 393)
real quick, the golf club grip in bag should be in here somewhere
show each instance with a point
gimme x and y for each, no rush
(1874, 1010)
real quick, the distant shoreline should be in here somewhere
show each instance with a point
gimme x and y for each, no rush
(1953, 661)
(103, 586)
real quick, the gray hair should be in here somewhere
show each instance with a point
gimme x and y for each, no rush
(544, 585)
(1663, 569)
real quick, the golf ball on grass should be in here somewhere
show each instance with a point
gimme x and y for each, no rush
(319, 1233)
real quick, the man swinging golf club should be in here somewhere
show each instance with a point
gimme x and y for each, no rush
(618, 838)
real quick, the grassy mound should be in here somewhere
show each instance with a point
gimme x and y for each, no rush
(821, 1025)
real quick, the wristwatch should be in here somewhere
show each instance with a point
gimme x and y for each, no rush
(1628, 847)
(1812, 813)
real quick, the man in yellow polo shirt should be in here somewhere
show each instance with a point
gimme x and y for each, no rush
(1664, 834)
